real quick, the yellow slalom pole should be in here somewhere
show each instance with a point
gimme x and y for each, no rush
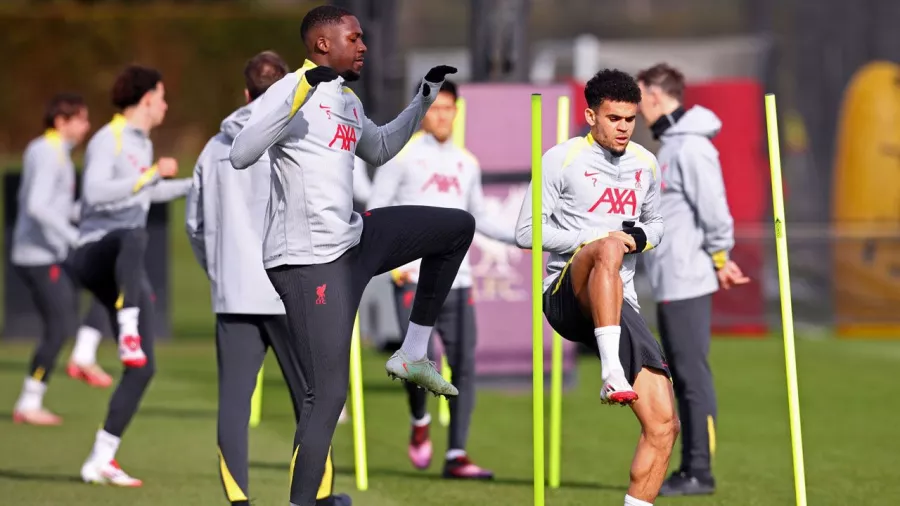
(358, 413)
(784, 285)
(537, 314)
(256, 401)
(443, 404)
(459, 124)
(459, 140)
(556, 378)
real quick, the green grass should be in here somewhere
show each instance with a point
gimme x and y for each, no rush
(848, 403)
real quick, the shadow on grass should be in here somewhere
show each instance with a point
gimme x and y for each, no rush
(30, 476)
(430, 476)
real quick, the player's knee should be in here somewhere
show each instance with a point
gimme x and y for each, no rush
(141, 376)
(606, 254)
(463, 221)
(334, 403)
(663, 431)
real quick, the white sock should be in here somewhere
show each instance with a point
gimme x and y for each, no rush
(423, 422)
(608, 343)
(86, 342)
(455, 454)
(105, 447)
(128, 321)
(415, 344)
(631, 501)
(32, 396)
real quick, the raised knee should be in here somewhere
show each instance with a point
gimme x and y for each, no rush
(607, 254)
(467, 222)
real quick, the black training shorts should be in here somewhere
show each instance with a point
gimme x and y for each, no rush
(637, 346)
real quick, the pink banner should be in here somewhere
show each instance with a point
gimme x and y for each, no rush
(498, 123)
(502, 290)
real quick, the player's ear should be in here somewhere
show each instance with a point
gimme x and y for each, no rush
(590, 116)
(322, 44)
(246, 95)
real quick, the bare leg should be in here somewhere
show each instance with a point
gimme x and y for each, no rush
(596, 280)
(598, 288)
(655, 409)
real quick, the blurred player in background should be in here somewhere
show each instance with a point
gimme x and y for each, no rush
(600, 208)
(684, 273)
(42, 238)
(120, 182)
(225, 213)
(432, 171)
(319, 254)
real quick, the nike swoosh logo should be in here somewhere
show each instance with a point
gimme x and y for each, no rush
(324, 106)
(589, 174)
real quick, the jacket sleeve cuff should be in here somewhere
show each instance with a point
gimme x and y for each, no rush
(720, 258)
(149, 176)
(640, 239)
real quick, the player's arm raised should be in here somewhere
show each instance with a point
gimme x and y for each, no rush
(274, 110)
(554, 239)
(378, 144)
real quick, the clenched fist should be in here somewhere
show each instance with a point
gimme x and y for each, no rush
(167, 167)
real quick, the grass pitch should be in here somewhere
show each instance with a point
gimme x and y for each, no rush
(848, 399)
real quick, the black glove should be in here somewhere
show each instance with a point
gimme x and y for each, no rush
(320, 74)
(637, 233)
(436, 75)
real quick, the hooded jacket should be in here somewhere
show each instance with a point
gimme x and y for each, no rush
(699, 227)
(225, 215)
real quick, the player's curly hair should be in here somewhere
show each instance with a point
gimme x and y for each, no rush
(132, 84)
(322, 15)
(613, 85)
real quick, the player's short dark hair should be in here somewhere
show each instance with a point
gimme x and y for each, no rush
(65, 105)
(132, 84)
(450, 87)
(262, 71)
(322, 15)
(613, 85)
(668, 78)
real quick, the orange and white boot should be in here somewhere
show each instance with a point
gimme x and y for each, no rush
(92, 374)
(41, 417)
(29, 407)
(101, 466)
(108, 473)
(130, 352)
